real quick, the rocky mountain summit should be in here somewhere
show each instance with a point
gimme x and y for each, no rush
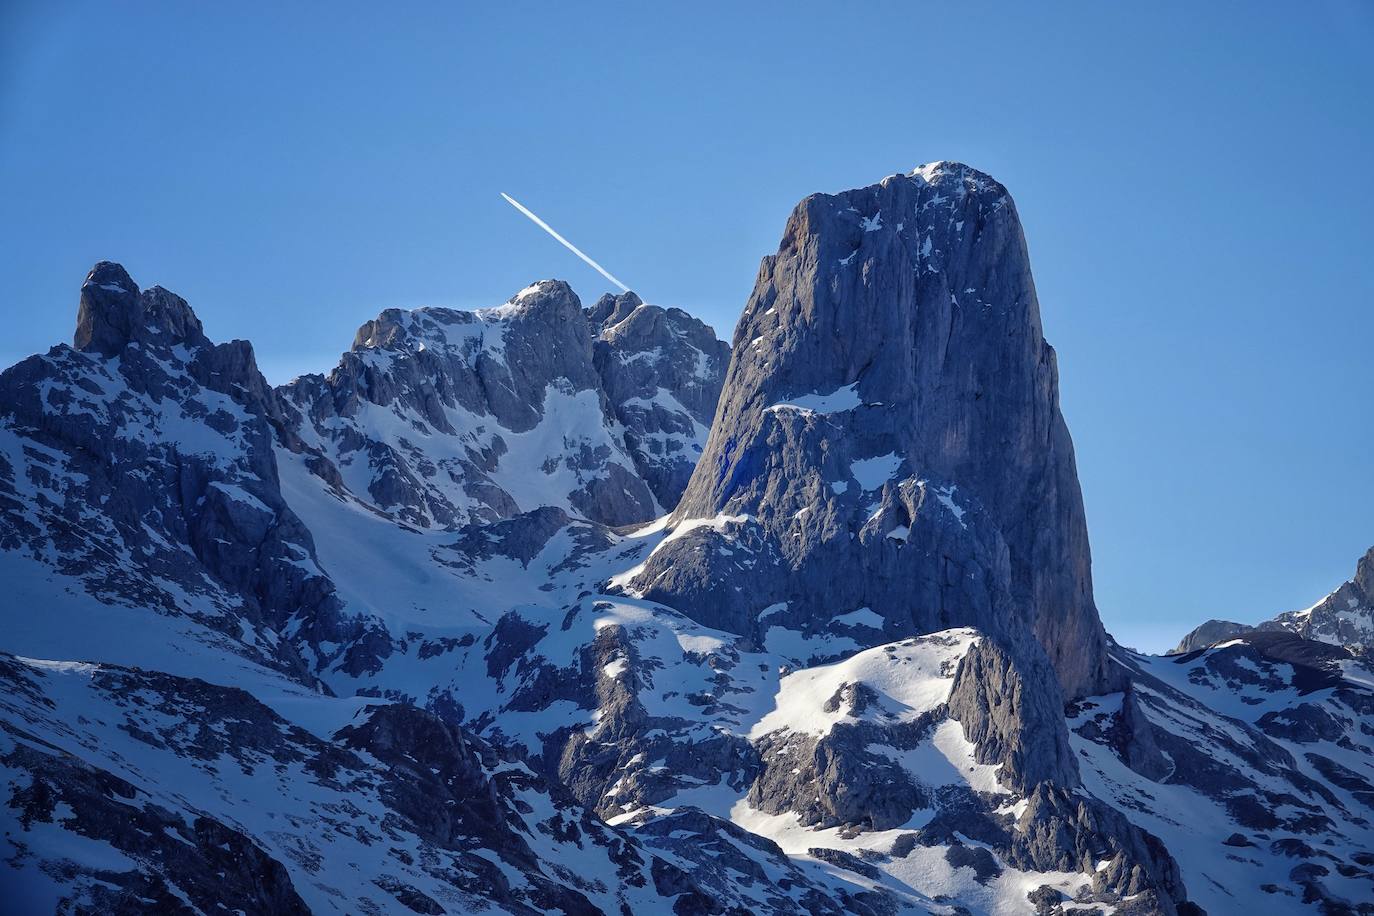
(893, 404)
(662, 370)
(439, 417)
(1343, 618)
(544, 608)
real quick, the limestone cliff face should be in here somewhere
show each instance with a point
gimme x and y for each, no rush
(892, 410)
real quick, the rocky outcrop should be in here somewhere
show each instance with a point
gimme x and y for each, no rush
(892, 407)
(1210, 634)
(1013, 713)
(837, 780)
(662, 370)
(1343, 618)
(846, 764)
(635, 756)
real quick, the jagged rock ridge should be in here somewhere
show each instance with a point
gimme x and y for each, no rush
(441, 417)
(1343, 618)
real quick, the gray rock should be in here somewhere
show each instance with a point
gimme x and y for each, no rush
(422, 412)
(837, 780)
(978, 858)
(149, 474)
(892, 407)
(1343, 618)
(662, 370)
(1210, 634)
(1013, 714)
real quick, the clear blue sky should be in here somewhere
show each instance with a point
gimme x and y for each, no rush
(1194, 180)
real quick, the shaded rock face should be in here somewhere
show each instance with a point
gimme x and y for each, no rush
(892, 406)
(440, 417)
(1211, 633)
(837, 781)
(140, 462)
(662, 370)
(184, 857)
(1014, 714)
(1343, 618)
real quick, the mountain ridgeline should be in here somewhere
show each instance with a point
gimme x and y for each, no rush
(1343, 618)
(551, 608)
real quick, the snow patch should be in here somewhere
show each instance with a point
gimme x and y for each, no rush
(837, 401)
(872, 473)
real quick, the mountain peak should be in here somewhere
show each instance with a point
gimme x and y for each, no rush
(612, 309)
(892, 402)
(550, 302)
(553, 296)
(113, 312)
(112, 277)
(947, 170)
(1345, 618)
(108, 309)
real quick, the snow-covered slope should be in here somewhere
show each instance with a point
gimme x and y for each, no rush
(133, 791)
(1253, 762)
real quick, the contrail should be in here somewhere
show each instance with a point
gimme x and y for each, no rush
(566, 244)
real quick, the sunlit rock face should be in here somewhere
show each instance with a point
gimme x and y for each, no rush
(893, 408)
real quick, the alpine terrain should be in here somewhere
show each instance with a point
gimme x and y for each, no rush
(547, 608)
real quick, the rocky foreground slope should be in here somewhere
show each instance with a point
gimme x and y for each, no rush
(465, 625)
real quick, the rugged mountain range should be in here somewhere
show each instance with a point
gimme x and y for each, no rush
(540, 609)
(1343, 618)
